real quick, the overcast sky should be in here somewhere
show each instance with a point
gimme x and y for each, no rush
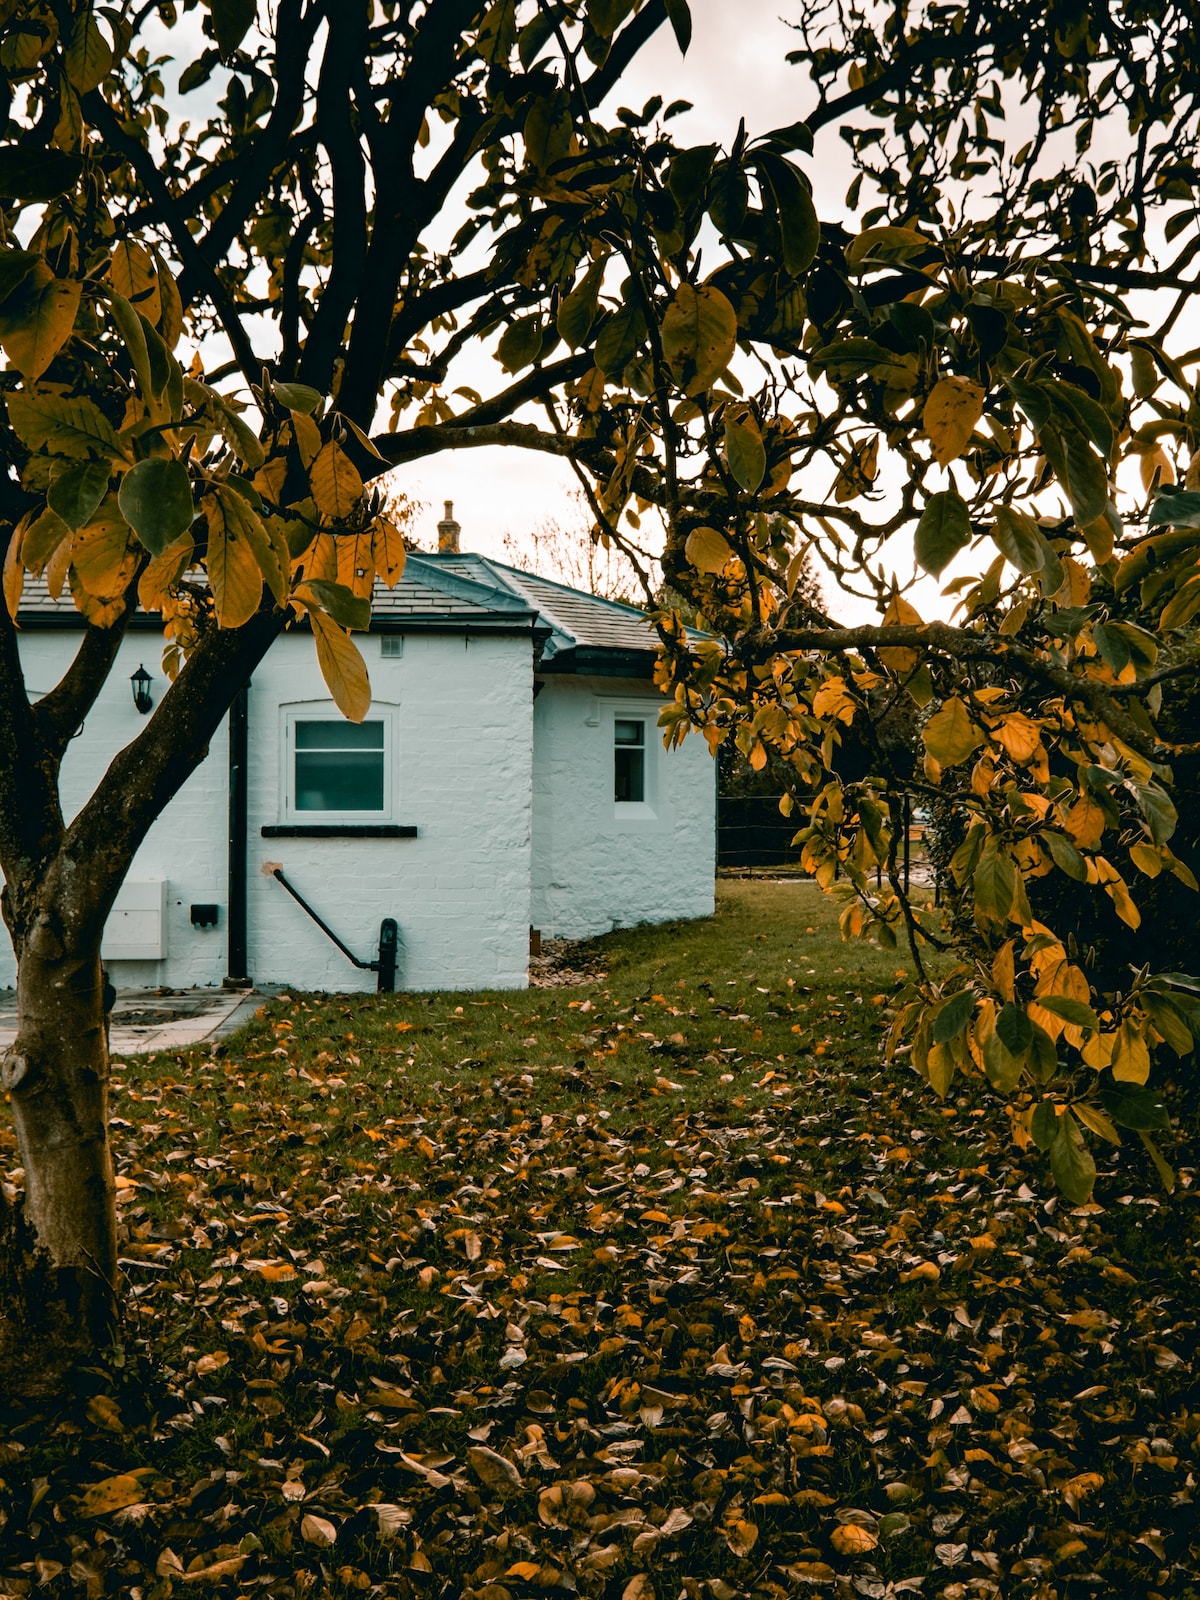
(736, 67)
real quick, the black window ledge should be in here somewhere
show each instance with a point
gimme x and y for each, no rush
(338, 830)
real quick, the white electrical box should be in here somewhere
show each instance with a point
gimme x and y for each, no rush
(136, 929)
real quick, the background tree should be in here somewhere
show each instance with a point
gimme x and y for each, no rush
(287, 230)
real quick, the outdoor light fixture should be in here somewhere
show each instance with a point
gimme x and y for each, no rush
(141, 681)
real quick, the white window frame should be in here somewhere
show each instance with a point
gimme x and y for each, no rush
(326, 711)
(636, 813)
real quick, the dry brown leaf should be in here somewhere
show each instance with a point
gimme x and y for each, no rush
(317, 1530)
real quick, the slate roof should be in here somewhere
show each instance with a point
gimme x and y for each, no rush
(577, 632)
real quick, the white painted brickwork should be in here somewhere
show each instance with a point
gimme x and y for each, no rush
(599, 865)
(505, 792)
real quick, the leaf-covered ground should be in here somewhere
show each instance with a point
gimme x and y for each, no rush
(648, 1285)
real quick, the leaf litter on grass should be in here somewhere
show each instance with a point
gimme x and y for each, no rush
(625, 1312)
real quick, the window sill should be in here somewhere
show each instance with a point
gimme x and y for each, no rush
(338, 830)
(634, 811)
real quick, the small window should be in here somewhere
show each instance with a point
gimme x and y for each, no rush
(339, 766)
(629, 761)
(391, 644)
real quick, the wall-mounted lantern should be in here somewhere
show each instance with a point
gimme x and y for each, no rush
(141, 681)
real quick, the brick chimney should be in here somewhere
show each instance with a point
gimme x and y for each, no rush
(448, 532)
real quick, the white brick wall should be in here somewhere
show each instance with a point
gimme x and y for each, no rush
(459, 891)
(599, 865)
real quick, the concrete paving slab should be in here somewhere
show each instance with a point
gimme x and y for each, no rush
(144, 1020)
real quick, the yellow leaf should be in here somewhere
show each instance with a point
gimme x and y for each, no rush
(234, 573)
(699, 336)
(984, 1400)
(388, 551)
(1019, 735)
(211, 1363)
(132, 274)
(342, 667)
(1097, 1051)
(954, 406)
(639, 1587)
(900, 614)
(101, 555)
(742, 1538)
(308, 437)
(1004, 970)
(88, 59)
(833, 699)
(50, 310)
(523, 1569)
(849, 1540)
(164, 572)
(336, 485)
(112, 1494)
(1131, 1055)
(227, 1568)
(1078, 1488)
(927, 1271)
(1085, 823)
(1118, 893)
(14, 572)
(950, 736)
(708, 550)
(276, 1271)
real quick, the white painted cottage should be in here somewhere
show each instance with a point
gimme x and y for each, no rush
(509, 776)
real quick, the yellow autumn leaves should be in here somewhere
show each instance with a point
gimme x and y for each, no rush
(139, 499)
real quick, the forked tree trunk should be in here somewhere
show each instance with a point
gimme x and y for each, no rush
(56, 1074)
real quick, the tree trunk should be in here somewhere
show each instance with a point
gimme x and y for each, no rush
(60, 1300)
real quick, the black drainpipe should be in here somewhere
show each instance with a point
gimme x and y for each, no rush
(237, 976)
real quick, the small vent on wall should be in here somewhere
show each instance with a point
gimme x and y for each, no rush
(392, 644)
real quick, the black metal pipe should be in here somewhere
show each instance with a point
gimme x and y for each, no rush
(364, 966)
(237, 961)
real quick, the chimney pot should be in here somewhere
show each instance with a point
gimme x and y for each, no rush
(448, 532)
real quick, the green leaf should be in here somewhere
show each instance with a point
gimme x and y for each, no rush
(798, 224)
(689, 173)
(520, 344)
(944, 530)
(15, 269)
(1065, 855)
(578, 311)
(1043, 1124)
(133, 330)
(346, 608)
(1019, 539)
(1072, 1011)
(1158, 810)
(155, 498)
(950, 736)
(1166, 1173)
(31, 173)
(1071, 1161)
(1002, 1067)
(39, 320)
(995, 885)
(796, 136)
(618, 340)
(297, 397)
(1087, 479)
(680, 17)
(954, 1016)
(231, 21)
(1174, 508)
(745, 453)
(76, 490)
(1134, 1106)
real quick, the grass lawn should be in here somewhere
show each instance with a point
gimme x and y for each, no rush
(645, 1285)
